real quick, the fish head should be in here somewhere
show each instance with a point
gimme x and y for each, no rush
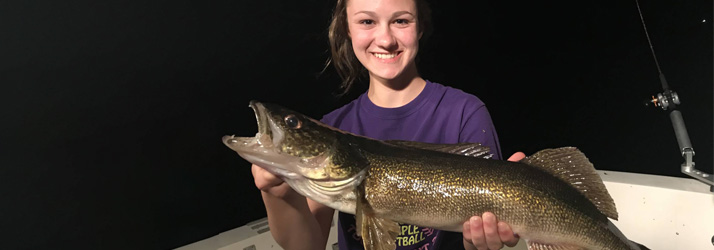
(300, 150)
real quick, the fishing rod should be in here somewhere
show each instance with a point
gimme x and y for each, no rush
(668, 100)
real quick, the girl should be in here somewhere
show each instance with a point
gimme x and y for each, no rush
(382, 37)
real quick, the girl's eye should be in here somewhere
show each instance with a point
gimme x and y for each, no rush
(366, 21)
(403, 23)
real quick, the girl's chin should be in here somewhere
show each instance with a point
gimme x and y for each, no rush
(387, 76)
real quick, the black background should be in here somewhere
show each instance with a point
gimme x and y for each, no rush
(112, 111)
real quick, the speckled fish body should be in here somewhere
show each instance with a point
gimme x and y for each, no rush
(442, 191)
(553, 199)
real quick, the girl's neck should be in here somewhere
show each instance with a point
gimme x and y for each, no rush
(396, 92)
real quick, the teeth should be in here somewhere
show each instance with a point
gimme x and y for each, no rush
(385, 56)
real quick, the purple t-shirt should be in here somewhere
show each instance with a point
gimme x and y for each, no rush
(439, 114)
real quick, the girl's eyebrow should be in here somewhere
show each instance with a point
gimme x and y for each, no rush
(396, 14)
(399, 13)
(370, 13)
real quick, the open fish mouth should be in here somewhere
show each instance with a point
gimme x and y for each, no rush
(269, 135)
(265, 149)
(262, 148)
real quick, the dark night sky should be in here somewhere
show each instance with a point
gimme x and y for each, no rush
(112, 111)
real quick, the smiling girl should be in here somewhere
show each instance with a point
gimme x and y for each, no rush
(381, 38)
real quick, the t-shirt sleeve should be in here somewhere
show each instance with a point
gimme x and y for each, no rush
(328, 119)
(325, 120)
(478, 127)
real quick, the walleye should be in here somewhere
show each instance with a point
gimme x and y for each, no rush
(552, 199)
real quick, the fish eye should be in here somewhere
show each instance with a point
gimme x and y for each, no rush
(293, 122)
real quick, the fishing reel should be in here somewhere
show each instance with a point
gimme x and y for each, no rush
(668, 100)
(664, 100)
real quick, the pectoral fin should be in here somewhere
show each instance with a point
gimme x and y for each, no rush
(377, 233)
(539, 246)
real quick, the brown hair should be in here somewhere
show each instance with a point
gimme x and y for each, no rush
(343, 57)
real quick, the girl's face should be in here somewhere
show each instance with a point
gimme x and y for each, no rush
(385, 36)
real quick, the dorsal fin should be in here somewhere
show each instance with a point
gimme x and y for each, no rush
(573, 167)
(466, 148)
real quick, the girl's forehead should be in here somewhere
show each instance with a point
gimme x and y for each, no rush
(355, 6)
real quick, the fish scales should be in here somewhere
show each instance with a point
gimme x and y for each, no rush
(442, 191)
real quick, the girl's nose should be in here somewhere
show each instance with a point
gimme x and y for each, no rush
(385, 38)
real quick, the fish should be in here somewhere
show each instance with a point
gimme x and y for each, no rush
(553, 199)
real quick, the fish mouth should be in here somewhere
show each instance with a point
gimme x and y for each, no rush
(266, 127)
(269, 134)
(258, 153)
(262, 148)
